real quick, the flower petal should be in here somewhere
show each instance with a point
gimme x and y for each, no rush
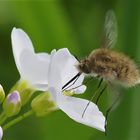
(1, 133)
(20, 42)
(34, 68)
(57, 64)
(43, 56)
(69, 72)
(74, 108)
(80, 89)
(62, 69)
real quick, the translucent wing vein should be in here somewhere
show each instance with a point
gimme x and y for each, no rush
(110, 30)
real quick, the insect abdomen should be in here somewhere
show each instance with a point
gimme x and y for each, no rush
(128, 74)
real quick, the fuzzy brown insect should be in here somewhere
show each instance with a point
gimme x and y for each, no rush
(112, 66)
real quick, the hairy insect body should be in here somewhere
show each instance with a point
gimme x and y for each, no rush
(114, 67)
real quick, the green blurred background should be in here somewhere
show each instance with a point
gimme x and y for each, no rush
(76, 25)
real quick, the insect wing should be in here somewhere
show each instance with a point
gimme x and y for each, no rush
(110, 30)
(114, 96)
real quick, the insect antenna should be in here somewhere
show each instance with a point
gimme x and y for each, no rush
(74, 79)
(92, 97)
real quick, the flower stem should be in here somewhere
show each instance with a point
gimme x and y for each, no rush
(1, 115)
(2, 118)
(18, 119)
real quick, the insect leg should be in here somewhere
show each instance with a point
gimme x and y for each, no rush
(92, 97)
(100, 94)
(109, 110)
(100, 83)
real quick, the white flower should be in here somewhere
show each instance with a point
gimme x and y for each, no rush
(52, 72)
(61, 70)
(1, 133)
(33, 67)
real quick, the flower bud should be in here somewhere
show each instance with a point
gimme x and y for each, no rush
(1, 133)
(25, 95)
(12, 104)
(25, 91)
(2, 94)
(43, 105)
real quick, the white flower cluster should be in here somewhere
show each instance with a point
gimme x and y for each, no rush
(50, 72)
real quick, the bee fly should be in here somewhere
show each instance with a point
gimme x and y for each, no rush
(113, 67)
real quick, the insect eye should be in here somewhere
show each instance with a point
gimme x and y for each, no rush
(84, 68)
